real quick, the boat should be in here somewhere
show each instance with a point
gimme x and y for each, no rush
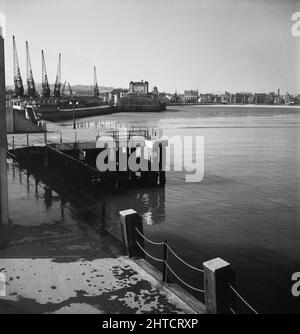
(57, 109)
(140, 103)
(77, 112)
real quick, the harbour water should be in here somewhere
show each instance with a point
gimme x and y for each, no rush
(245, 210)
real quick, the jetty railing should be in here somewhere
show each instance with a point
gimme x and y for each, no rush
(219, 289)
(22, 140)
(44, 139)
(243, 300)
(166, 265)
(127, 134)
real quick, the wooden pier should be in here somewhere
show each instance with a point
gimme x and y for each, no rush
(75, 152)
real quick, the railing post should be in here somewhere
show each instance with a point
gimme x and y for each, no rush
(217, 277)
(165, 268)
(130, 220)
(27, 138)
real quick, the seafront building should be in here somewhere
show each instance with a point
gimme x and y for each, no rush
(139, 87)
(191, 96)
(138, 98)
(271, 98)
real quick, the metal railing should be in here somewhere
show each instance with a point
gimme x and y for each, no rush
(120, 135)
(167, 268)
(237, 294)
(43, 139)
(68, 137)
(166, 265)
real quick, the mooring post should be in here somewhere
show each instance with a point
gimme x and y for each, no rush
(3, 140)
(217, 278)
(130, 221)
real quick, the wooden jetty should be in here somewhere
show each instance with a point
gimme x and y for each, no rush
(75, 152)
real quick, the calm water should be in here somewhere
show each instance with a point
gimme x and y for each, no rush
(246, 209)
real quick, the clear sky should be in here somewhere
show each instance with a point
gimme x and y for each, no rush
(210, 45)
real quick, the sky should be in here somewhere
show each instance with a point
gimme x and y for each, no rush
(209, 45)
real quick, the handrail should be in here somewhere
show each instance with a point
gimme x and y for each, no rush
(150, 242)
(242, 299)
(181, 280)
(152, 257)
(167, 267)
(232, 310)
(22, 140)
(179, 258)
(165, 261)
(170, 249)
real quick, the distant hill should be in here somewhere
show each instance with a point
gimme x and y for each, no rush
(79, 89)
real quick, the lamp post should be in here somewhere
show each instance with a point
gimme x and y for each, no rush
(3, 140)
(73, 102)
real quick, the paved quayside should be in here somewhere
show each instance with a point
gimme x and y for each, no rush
(61, 262)
(110, 285)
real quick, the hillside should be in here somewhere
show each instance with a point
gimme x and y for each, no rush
(78, 89)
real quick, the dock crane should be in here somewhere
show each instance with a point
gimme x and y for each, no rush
(63, 88)
(71, 93)
(19, 88)
(96, 89)
(45, 83)
(58, 78)
(31, 92)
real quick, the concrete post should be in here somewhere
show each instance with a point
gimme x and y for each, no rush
(130, 220)
(3, 140)
(217, 277)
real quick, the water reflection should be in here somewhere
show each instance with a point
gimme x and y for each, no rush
(59, 193)
(46, 223)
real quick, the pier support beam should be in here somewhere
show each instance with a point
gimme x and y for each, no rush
(217, 277)
(3, 140)
(130, 221)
